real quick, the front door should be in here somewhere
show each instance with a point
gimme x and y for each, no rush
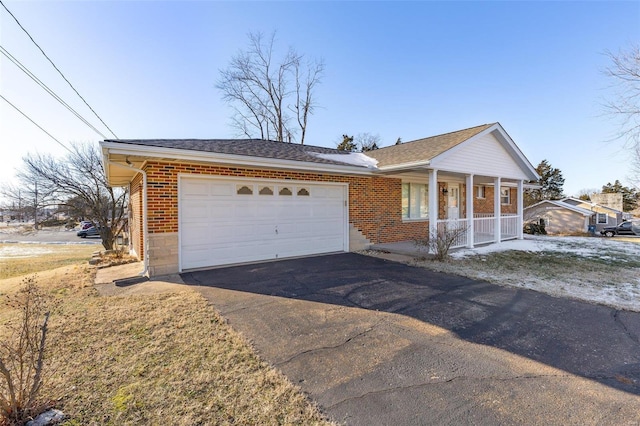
(453, 201)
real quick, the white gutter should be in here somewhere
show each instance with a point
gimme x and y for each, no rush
(145, 228)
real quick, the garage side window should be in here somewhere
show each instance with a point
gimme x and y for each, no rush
(244, 190)
(602, 218)
(415, 201)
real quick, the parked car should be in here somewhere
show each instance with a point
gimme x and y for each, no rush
(625, 228)
(92, 231)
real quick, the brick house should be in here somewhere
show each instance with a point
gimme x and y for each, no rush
(204, 203)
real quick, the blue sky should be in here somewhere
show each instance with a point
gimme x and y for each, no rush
(397, 69)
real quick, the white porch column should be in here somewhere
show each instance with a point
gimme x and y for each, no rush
(469, 200)
(433, 202)
(497, 210)
(520, 202)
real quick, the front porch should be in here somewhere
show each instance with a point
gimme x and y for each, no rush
(471, 209)
(484, 232)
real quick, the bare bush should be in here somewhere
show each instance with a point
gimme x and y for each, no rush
(22, 356)
(440, 240)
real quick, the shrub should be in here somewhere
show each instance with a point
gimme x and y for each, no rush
(439, 241)
(22, 356)
(534, 228)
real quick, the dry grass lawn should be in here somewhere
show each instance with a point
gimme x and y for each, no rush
(154, 359)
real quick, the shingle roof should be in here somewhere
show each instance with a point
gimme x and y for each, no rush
(248, 147)
(418, 150)
(423, 149)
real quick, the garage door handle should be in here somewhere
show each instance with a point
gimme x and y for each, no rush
(276, 229)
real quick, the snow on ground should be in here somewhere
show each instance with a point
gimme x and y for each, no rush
(12, 251)
(591, 247)
(617, 286)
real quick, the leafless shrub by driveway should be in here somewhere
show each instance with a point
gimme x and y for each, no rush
(22, 356)
(440, 240)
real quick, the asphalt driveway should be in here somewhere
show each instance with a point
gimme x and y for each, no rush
(379, 342)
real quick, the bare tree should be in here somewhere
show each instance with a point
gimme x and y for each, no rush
(270, 99)
(624, 104)
(80, 183)
(367, 141)
(28, 197)
(624, 72)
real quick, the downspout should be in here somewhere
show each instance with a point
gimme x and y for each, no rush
(145, 229)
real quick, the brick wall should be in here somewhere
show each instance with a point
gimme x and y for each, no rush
(135, 216)
(485, 205)
(374, 202)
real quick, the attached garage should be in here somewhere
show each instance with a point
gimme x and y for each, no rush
(226, 221)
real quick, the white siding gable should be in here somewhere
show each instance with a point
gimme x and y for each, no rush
(483, 155)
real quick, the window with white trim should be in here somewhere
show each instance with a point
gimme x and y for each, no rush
(505, 196)
(415, 201)
(603, 218)
(481, 191)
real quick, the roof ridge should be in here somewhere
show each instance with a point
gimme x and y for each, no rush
(439, 135)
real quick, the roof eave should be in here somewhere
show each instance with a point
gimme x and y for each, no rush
(405, 166)
(109, 148)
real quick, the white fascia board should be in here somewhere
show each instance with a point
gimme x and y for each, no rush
(405, 166)
(244, 160)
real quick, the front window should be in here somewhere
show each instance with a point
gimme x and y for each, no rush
(415, 201)
(505, 196)
(480, 191)
(602, 218)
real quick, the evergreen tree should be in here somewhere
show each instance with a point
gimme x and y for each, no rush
(551, 183)
(347, 144)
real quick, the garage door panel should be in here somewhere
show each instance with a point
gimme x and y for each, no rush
(225, 221)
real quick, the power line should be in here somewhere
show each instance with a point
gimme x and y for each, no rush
(26, 70)
(36, 124)
(56, 68)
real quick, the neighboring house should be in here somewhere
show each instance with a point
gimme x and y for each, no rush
(571, 215)
(559, 217)
(603, 216)
(205, 203)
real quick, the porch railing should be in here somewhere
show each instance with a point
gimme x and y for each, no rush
(456, 229)
(484, 229)
(509, 227)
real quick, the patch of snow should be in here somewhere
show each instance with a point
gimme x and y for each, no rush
(49, 417)
(583, 246)
(621, 291)
(351, 158)
(14, 251)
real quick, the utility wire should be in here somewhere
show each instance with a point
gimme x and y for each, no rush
(37, 125)
(56, 68)
(25, 70)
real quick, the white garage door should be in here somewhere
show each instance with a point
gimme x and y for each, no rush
(232, 221)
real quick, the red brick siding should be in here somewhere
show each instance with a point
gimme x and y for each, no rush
(135, 215)
(485, 205)
(374, 202)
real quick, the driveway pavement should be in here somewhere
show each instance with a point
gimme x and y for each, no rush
(379, 342)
